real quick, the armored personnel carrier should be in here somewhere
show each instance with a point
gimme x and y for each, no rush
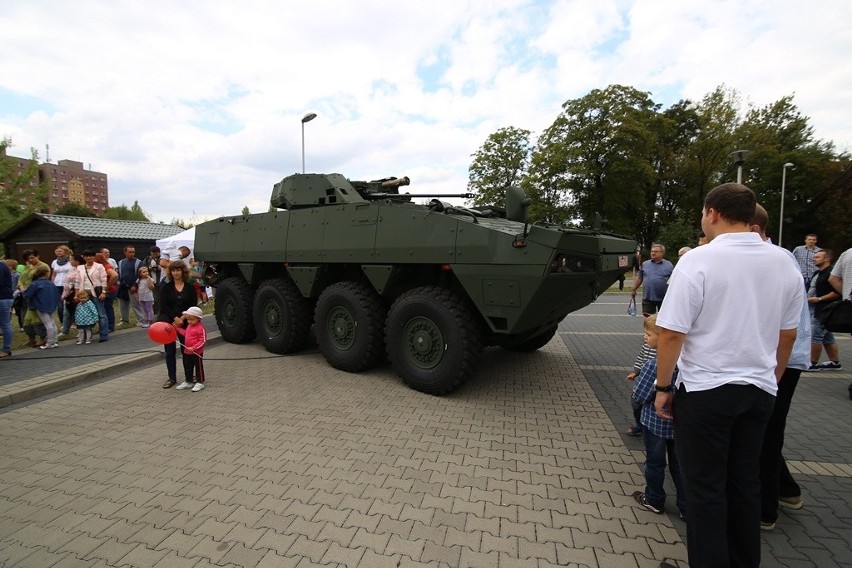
(426, 285)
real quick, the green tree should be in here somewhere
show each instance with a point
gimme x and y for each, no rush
(599, 153)
(245, 211)
(132, 213)
(21, 190)
(181, 223)
(499, 163)
(779, 134)
(75, 210)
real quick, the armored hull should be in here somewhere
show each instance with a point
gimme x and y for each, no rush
(428, 286)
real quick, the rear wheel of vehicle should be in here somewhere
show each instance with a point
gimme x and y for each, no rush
(533, 343)
(281, 316)
(349, 325)
(433, 339)
(233, 310)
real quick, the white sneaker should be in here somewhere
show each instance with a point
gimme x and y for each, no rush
(197, 387)
(49, 346)
(184, 385)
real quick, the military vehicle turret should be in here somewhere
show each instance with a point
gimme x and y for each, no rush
(426, 285)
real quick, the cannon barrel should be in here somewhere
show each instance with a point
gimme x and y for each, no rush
(396, 182)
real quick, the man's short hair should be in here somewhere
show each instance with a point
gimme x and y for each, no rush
(129, 247)
(734, 202)
(662, 247)
(41, 271)
(829, 254)
(154, 249)
(761, 218)
(683, 251)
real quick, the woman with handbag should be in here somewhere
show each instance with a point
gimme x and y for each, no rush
(94, 279)
(72, 284)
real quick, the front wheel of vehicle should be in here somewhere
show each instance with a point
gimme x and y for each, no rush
(433, 339)
(233, 310)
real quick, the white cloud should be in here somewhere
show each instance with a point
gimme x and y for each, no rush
(194, 108)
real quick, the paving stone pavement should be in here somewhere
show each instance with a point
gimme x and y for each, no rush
(284, 461)
(604, 342)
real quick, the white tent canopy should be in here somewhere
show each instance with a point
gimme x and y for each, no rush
(169, 245)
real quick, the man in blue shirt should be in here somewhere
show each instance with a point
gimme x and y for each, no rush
(654, 274)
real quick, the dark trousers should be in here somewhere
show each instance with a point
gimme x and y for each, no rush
(651, 306)
(60, 305)
(109, 308)
(771, 461)
(191, 364)
(659, 451)
(171, 360)
(718, 436)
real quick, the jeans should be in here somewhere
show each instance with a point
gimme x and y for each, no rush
(103, 322)
(6, 324)
(49, 326)
(718, 436)
(70, 310)
(656, 450)
(109, 308)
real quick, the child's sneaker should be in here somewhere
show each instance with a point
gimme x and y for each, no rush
(79, 342)
(184, 385)
(197, 387)
(49, 346)
(643, 501)
(88, 342)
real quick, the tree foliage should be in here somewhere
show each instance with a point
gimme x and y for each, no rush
(132, 213)
(21, 190)
(646, 170)
(500, 162)
(75, 210)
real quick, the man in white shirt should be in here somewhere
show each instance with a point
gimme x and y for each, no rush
(731, 336)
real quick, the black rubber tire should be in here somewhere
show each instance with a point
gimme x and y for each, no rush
(349, 324)
(233, 310)
(433, 339)
(533, 343)
(282, 316)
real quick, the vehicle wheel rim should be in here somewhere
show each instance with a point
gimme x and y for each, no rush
(424, 342)
(341, 328)
(272, 320)
(229, 312)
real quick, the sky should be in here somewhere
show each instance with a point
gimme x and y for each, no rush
(194, 108)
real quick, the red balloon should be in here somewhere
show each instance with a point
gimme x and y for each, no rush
(162, 332)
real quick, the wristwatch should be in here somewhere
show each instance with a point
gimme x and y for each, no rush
(666, 388)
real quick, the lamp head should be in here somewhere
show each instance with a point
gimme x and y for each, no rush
(790, 165)
(309, 117)
(739, 156)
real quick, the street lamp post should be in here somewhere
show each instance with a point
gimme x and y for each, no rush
(783, 185)
(739, 156)
(307, 118)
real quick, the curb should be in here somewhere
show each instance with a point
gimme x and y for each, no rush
(61, 380)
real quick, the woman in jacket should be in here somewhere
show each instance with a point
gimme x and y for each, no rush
(176, 296)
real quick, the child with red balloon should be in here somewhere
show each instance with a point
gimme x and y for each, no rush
(194, 336)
